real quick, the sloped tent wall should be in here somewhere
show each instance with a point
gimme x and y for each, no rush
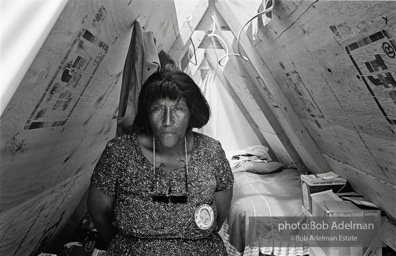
(63, 112)
(227, 123)
(330, 68)
(21, 39)
(325, 70)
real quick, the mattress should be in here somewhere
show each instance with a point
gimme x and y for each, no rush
(261, 199)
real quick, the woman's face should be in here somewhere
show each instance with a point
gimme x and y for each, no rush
(169, 121)
(204, 215)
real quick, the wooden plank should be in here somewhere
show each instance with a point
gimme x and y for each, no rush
(373, 154)
(54, 236)
(40, 217)
(63, 113)
(206, 23)
(184, 11)
(383, 151)
(258, 95)
(180, 46)
(197, 77)
(12, 232)
(337, 87)
(257, 131)
(252, 87)
(288, 119)
(234, 62)
(389, 236)
(329, 72)
(191, 67)
(204, 63)
(365, 184)
(326, 50)
(238, 82)
(35, 114)
(204, 73)
(195, 40)
(239, 10)
(90, 98)
(282, 151)
(340, 81)
(246, 100)
(293, 158)
(330, 142)
(380, 192)
(210, 42)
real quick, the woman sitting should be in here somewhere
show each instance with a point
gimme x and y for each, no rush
(150, 188)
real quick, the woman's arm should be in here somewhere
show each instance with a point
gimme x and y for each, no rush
(223, 202)
(100, 207)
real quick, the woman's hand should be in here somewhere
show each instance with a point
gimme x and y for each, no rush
(100, 207)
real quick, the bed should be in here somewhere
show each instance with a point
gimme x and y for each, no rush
(268, 190)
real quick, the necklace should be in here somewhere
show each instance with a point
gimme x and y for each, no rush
(185, 151)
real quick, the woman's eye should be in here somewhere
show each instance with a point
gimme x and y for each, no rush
(156, 109)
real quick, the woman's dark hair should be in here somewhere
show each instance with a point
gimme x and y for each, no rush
(172, 84)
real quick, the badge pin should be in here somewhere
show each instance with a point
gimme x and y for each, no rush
(204, 216)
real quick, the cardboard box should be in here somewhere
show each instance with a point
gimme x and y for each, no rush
(320, 201)
(328, 204)
(325, 208)
(314, 183)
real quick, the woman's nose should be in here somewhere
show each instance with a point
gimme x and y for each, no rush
(168, 117)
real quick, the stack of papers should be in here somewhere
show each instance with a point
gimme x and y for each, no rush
(324, 178)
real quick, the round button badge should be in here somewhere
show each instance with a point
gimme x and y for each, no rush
(204, 216)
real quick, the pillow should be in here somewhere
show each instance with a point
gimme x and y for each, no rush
(258, 167)
(255, 150)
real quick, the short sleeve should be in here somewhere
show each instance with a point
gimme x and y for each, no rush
(224, 176)
(105, 175)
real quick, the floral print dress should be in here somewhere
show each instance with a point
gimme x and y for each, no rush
(148, 227)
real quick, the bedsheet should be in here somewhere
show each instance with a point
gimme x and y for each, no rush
(267, 196)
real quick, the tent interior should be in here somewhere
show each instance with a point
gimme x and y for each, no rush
(313, 81)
